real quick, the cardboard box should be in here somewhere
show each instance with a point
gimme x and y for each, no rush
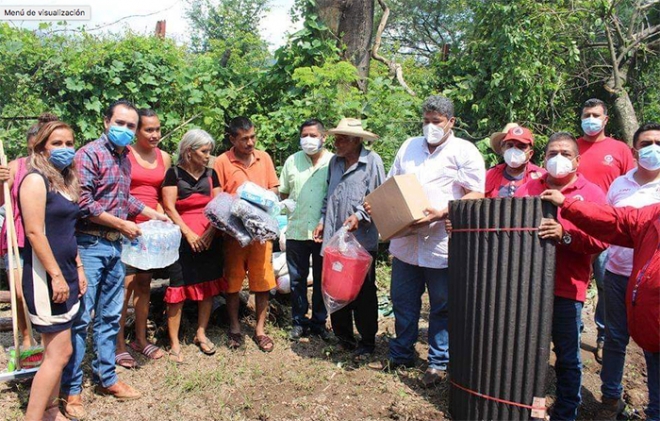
(397, 204)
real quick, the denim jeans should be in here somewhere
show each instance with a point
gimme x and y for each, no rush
(653, 369)
(105, 296)
(616, 335)
(566, 322)
(599, 276)
(297, 259)
(408, 284)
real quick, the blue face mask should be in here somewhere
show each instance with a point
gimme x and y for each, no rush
(649, 157)
(592, 126)
(61, 157)
(120, 136)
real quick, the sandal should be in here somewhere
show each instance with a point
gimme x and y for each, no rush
(234, 340)
(264, 342)
(175, 357)
(124, 359)
(150, 351)
(206, 346)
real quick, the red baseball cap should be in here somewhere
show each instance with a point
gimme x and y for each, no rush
(521, 134)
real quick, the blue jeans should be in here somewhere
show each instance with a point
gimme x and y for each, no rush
(566, 322)
(297, 259)
(599, 276)
(653, 369)
(616, 335)
(105, 297)
(408, 284)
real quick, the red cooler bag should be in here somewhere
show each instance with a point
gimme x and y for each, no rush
(345, 266)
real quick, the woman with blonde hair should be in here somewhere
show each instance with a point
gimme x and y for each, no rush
(197, 275)
(53, 276)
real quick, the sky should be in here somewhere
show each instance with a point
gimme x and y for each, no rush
(118, 15)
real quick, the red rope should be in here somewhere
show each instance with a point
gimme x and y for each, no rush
(481, 395)
(493, 229)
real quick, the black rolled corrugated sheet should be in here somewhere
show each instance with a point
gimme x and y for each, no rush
(501, 293)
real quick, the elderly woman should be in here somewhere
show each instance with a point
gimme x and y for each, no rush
(53, 279)
(197, 275)
(148, 166)
(353, 173)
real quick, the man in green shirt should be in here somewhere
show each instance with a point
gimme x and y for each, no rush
(304, 180)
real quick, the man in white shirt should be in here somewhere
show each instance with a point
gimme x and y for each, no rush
(638, 188)
(448, 168)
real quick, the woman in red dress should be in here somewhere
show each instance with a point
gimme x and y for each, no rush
(197, 275)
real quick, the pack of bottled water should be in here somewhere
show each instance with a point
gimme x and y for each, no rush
(156, 247)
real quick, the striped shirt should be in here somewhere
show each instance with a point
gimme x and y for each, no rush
(105, 181)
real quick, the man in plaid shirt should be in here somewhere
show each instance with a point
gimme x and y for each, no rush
(105, 202)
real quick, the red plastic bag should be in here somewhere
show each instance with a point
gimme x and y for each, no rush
(345, 266)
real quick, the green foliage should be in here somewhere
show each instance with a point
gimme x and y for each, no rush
(519, 75)
(231, 21)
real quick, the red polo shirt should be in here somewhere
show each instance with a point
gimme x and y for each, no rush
(601, 162)
(496, 182)
(574, 259)
(640, 229)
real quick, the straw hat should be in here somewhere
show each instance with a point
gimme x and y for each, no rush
(496, 138)
(352, 127)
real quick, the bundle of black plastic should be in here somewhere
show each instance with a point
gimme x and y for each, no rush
(261, 226)
(218, 211)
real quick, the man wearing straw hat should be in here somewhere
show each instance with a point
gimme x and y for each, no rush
(353, 173)
(516, 145)
(448, 168)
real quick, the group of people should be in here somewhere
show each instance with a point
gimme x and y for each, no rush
(94, 196)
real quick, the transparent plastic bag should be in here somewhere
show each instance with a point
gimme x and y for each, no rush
(258, 196)
(261, 226)
(345, 266)
(218, 211)
(157, 246)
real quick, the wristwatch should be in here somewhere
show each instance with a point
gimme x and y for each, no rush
(566, 239)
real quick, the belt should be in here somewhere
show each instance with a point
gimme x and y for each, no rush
(108, 235)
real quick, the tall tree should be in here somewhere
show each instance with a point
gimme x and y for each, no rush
(223, 20)
(617, 34)
(352, 21)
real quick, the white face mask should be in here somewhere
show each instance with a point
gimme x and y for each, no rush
(515, 158)
(310, 145)
(559, 166)
(433, 134)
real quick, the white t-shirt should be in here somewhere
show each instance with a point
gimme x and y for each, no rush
(446, 174)
(625, 191)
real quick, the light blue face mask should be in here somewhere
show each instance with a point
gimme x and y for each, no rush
(120, 136)
(61, 157)
(592, 126)
(649, 157)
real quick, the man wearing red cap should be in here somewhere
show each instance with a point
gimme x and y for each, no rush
(516, 144)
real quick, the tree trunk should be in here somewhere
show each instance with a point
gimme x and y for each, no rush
(623, 107)
(353, 22)
(625, 113)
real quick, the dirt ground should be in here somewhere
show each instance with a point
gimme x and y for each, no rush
(308, 380)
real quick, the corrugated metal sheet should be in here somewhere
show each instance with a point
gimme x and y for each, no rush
(501, 288)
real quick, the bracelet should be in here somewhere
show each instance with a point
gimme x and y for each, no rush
(79, 266)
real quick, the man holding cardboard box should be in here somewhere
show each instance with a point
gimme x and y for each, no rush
(448, 168)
